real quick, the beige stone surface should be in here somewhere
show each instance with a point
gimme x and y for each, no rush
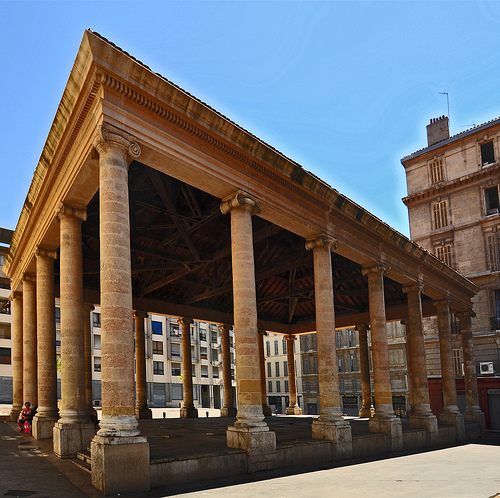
(30, 381)
(17, 355)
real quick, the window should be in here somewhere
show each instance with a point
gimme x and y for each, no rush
(277, 368)
(269, 373)
(213, 337)
(158, 368)
(341, 364)
(436, 171)
(233, 376)
(342, 386)
(203, 353)
(306, 366)
(176, 369)
(203, 335)
(487, 153)
(350, 339)
(268, 348)
(352, 363)
(276, 348)
(97, 342)
(5, 331)
(491, 199)
(158, 347)
(278, 386)
(157, 328)
(215, 354)
(354, 385)
(269, 386)
(440, 214)
(284, 346)
(215, 373)
(286, 386)
(495, 319)
(96, 318)
(457, 362)
(339, 339)
(443, 252)
(193, 370)
(97, 364)
(231, 342)
(175, 349)
(174, 330)
(58, 317)
(492, 241)
(5, 356)
(204, 371)
(285, 368)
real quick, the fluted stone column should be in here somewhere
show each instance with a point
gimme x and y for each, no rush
(293, 408)
(250, 432)
(142, 411)
(47, 413)
(367, 409)
(30, 381)
(266, 409)
(473, 412)
(73, 431)
(421, 415)
(228, 409)
(187, 410)
(384, 420)
(87, 341)
(451, 414)
(330, 424)
(118, 442)
(16, 299)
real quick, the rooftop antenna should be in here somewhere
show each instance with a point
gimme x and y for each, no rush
(447, 101)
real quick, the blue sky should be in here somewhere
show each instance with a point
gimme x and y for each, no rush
(344, 88)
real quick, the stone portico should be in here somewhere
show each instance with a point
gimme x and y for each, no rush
(147, 199)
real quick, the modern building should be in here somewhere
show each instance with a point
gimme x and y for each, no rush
(454, 212)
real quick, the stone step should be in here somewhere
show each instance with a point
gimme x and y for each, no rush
(84, 456)
(81, 464)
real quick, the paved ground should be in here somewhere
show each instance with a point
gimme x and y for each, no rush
(28, 468)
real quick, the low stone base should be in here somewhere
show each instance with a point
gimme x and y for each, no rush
(476, 416)
(338, 433)
(427, 422)
(457, 420)
(43, 427)
(70, 438)
(15, 413)
(293, 410)
(143, 414)
(190, 412)
(228, 411)
(258, 442)
(389, 426)
(120, 464)
(366, 412)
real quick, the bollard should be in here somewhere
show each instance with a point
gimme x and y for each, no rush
(164, 415)
(207, 414)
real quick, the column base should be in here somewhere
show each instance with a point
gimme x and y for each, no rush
(228, 411)
(70, 438)
(120, 464)
(258, 442)
(43, 427)
(293, 410)
(190, 412)
(390, 426)
(476, 415)
(338, 433)
(366, 412)
(454, 417)
(15, 413)
(143, 414)
(266, 410)
(426, 421)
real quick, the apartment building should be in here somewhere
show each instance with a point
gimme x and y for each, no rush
(5, 323)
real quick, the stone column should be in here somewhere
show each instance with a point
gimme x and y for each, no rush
(187, 410)
(87, 341)
(141, 403)
(330, 424)
(30, 381)
(250, 432)
(367, 409)
(293, 408)
(17, 355)
(73, 431)
(266, 409)
(421, 415)
(228, 409)
(472, 413)
(118, 442)
(384, 420)
(47, 413)
(451, 414)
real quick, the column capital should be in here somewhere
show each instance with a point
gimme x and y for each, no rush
(290, 337)
(65, 210)
(465, 313)
(441, 302)
(185, 321)
(375, 268)
(224, 326)
(45, 253)
(109, 137)
(237, 200)
(321, 241)
(362, 326)
(416, 287)
(140, 314)
(88, 307)
(16, 295)
(28, 278)
(263, 333)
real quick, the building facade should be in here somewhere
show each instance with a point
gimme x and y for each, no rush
(453, 207)
(5, 323)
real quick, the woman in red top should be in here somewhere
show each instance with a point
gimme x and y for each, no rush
(25, 415)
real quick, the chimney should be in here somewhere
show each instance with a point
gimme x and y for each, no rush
(438, 130)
